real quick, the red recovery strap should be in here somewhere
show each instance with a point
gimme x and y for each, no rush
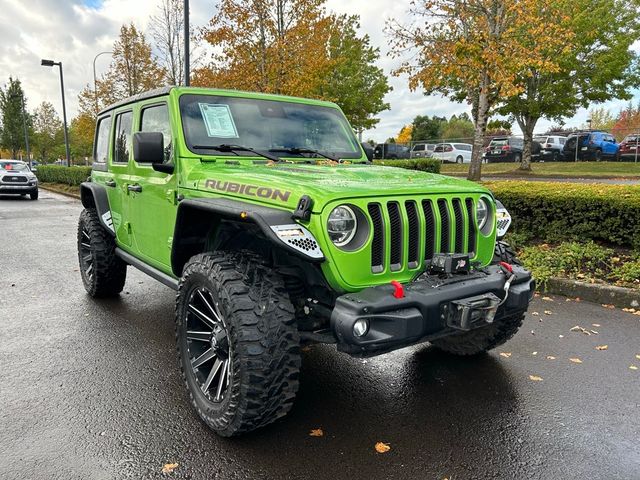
(399, 289)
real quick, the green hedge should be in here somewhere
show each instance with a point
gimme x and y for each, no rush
(422, 164)
(572, 211)
(72, 176)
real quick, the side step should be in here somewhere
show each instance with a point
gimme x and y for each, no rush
(144, 268)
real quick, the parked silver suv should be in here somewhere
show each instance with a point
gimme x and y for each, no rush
(16, 178)
(552, 146)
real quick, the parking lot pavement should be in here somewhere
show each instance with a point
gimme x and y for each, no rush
(90, 389)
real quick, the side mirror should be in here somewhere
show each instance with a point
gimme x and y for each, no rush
(148, 147)
(368, 150)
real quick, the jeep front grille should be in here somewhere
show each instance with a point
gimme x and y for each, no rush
(418, 230)
(14, 179)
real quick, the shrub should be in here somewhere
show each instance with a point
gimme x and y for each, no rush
(422, 164)
(72, 176)
(572, 211)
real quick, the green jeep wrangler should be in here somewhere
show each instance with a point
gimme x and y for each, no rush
(266, 216)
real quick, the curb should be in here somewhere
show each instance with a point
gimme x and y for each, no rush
(596, 293)
(60, 192)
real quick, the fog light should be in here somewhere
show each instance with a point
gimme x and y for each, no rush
(361, 327)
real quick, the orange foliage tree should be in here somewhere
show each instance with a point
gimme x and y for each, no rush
(474, 51)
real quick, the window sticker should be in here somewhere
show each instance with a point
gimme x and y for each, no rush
(218, 120)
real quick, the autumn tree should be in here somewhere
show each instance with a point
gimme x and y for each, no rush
(167, 31)
(473, 50)
(48, 131)
(628, 122)
(12, 134)
(293, 47)
(590, 64)
(404, 136)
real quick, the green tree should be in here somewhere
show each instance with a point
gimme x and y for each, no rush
(354, 82)
(601, 119)
(591, 65)
(458, 128)
(12, 135)
(426, 128)
(48, 131)
(81, 132)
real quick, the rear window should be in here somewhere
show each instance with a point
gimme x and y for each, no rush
(499, 142)
(543, 139)
(632, 138)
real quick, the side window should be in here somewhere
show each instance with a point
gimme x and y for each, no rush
(122, 143)
(101, 148)
(418, 148)
(439, 148)
(156, 119)
(562, 140)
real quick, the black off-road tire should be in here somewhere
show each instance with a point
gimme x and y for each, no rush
(103, 273)
(493, 335)
(261, 334)
(34, 195)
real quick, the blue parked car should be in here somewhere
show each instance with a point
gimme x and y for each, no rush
(591, 146)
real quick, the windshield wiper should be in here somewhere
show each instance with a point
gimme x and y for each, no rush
(300, 151)
(237, 148)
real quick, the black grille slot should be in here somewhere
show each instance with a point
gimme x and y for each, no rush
(16, 179)
(472, 227)
(430, 230)
(445, 234)
(377, 243)
(413, 248)
(459, 219)
(395, 231)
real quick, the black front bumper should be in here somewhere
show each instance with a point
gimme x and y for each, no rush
(10, 189)
(423, 313)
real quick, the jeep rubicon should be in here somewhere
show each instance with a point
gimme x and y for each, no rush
(265, 215)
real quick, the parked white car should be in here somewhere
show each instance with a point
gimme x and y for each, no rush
(453, 152)
(422, 150)
(551, 147)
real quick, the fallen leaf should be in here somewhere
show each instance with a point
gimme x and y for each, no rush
(316, 432)
(605, 305)
(550, 357)
(547, 312)
(568, 300)
(560, 336)
(505, 354)
(535, 314)
(633, 367)
(629, 310)
(535, 378)
(382, 447)
(547, 299)
(595, 332)
(602, 347)
(575, 360)
(577, 299)
(169, 467)
(534, 353)
(595, 324)
(638, 357)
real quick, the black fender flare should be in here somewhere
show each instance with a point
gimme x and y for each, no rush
(95, 196)
(189, 226)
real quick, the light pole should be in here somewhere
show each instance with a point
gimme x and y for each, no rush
(95, 80)
(186, 44)
(51, 63)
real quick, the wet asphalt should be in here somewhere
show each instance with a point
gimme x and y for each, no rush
(91, 390)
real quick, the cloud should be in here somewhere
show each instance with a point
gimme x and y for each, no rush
(75, 31)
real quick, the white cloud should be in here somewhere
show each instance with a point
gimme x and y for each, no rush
(75, 31)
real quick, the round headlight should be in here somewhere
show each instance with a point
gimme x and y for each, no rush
(482, 213)
(342, 225)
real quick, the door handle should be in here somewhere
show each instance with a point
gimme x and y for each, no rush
(134, 188)
(110, 183)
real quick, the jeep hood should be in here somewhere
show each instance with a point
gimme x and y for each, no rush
(323, 183)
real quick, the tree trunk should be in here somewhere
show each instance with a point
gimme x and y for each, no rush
(480, 129)
(527, 125)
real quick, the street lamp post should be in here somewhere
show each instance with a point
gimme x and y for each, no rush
(51, 63)
(95, 80)
(186, 44)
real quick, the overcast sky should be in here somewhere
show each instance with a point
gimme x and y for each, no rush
(74, 31)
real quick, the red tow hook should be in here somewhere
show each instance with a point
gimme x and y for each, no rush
(399, 289)
(507, 267)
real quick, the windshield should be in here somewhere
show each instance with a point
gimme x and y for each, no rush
(14, 166)
(265, 125)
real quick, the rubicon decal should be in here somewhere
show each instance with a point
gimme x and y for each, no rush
(249, 190)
